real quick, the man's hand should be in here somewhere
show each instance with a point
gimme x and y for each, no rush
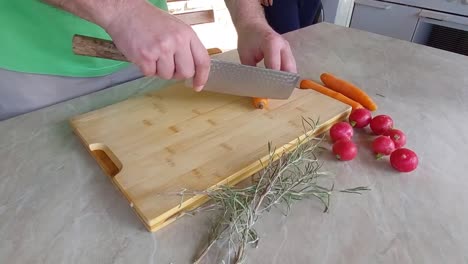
(154, 40)
(259, 41)
(160, 44)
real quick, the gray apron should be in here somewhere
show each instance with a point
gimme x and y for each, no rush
(22, 92)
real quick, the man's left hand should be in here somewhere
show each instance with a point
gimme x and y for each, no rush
(257, 41)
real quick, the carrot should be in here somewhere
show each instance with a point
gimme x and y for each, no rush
(307, 84)
(213, 51)
(348, 89)
(260, 103)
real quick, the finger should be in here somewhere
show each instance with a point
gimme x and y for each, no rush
(201, 61)
(184, 65)
(288, 62)
(270, 2)
(272, 54)
(165, 66)
(147, 67)
(248, 59)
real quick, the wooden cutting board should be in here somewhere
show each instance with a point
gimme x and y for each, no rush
(173, 139)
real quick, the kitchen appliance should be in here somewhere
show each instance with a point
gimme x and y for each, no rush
(457, 7)
(443, 31)
(224, 77)
(441, 24)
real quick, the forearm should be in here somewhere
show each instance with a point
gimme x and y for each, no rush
(245, 12)
(100, 12)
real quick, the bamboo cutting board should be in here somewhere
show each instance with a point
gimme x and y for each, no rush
(174, 139)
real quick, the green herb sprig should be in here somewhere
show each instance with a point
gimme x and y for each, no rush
(287, 177)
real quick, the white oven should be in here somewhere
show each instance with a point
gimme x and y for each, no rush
(459, 7)
(440, 24)
(441, 30)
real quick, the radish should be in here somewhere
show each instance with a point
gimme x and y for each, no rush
(381, 124)
(341, 130)
(344, 149)
(404, 160)
(360, 118)
(398, 137)
(383, 146)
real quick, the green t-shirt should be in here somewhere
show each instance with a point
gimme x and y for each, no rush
(37, 38)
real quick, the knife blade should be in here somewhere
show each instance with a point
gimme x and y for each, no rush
(224, 77)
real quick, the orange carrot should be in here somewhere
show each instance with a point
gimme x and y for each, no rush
(348, 89)
(307, 84)
(260, 103)
(213, 51)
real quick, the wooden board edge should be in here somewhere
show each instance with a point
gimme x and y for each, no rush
(173, 218)
(173, 214)
(115, 183)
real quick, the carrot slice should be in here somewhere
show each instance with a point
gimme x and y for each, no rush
(213, 51)
(348, 89)
(308, 84)
(260, 103)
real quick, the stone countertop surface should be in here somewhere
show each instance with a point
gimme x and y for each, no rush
(56, 205)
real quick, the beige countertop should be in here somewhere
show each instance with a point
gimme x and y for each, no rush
(56, 206)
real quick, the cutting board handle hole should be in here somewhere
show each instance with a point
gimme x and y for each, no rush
(106, 159)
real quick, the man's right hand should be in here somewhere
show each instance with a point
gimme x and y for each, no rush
(160, 44)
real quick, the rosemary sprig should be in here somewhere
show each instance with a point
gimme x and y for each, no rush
(286, 178)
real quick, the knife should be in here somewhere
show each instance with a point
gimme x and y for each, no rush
(224, 77)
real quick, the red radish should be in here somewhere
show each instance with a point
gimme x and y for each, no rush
(381, 124)
(404, 160)
(341, 130)
(344, 149)
(398, 137)
(360, 118)
(383, 146)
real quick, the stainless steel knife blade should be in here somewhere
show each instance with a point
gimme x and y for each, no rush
(243, 80)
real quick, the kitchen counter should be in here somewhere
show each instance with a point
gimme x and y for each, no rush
(56, 206)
